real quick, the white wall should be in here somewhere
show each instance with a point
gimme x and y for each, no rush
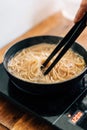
(18, 16)
(70, 7)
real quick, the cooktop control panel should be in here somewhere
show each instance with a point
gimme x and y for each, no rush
(75, 117)
(73, 120)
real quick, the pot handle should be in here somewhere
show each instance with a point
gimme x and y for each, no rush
(86, 70)
(85, 78)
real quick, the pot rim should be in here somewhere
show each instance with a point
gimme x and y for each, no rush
(36, 83)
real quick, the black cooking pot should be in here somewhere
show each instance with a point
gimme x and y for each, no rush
(37, 88)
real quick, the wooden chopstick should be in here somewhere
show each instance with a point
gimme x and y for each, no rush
(67, 42)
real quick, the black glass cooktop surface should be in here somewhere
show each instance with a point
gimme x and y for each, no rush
(53, 108)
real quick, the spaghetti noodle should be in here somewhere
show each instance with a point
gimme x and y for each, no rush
(26, 64)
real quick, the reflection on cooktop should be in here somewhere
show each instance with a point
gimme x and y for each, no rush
(50, 105)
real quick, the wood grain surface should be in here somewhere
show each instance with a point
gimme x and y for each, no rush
(12, 117)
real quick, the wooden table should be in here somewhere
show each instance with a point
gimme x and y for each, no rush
(12, 117)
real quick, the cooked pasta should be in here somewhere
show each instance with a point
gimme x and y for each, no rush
(26, 64)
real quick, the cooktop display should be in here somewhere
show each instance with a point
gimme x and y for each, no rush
(67, 111)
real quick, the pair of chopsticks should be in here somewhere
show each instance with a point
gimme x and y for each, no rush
(66, 43)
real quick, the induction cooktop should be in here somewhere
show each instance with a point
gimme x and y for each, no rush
(65, 111)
